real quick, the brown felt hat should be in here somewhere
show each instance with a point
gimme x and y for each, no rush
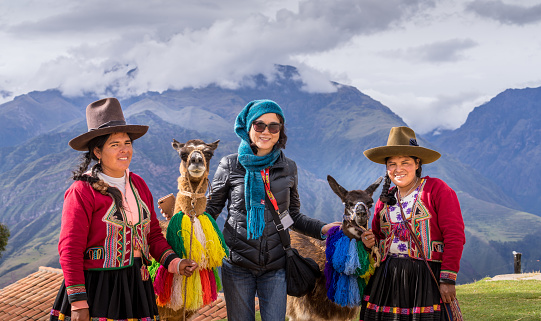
(105, 117)
(401, 142)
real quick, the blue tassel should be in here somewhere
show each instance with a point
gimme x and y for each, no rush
(341, 295)
(256, 223)
(340, 254)
(329, 252)
(352, 262)
(331, 290)
(354, 298)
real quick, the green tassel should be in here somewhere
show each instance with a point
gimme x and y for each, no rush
(153, 269)
(217, 278)
(174, 235)
(220, 235)
(363, 260)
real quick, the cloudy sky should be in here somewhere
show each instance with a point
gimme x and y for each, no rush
(430, 61)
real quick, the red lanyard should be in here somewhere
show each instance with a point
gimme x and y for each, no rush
(266, 182)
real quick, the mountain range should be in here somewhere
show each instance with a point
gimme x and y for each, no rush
(327, 133)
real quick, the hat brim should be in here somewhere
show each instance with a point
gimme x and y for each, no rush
(80, 142)
(378, 154)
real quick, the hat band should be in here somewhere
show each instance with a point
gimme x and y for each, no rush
(111, 123)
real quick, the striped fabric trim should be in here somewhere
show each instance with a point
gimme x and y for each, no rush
(448, 275)
(75, 289)
(165, 255)
(401, 311)
(57, 315)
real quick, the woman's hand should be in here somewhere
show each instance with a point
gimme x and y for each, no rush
(187, 267)
(325, 229)
(448, 292)
(368, 238)
(80, 315)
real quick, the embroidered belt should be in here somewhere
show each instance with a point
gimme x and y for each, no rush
(398, 255)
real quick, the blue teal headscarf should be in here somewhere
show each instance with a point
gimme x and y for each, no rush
(254, 190)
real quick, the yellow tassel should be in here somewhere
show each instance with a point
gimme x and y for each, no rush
(197, 250)
(214, 250)
(194, 294)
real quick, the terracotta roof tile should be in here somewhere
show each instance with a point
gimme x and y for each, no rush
(32, 297)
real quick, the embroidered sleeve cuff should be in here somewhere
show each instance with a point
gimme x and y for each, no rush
(76, 293)
(167, 257)
(447, 276)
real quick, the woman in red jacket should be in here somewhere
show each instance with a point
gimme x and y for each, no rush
(402, 288)
(109, 228)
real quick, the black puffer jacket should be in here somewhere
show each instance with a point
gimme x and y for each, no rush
(266, 252)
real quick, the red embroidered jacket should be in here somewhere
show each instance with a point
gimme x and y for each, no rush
(95, 235)
(438, 223)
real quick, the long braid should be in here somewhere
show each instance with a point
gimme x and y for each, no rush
(387, 195)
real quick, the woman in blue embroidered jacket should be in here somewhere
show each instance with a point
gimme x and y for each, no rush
(109, 228)
(256, 264)
(402, 287)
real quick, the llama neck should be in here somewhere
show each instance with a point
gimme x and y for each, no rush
(191, 195)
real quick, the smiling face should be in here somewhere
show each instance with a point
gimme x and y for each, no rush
(401, 170)
(115, 155)
(265, 140)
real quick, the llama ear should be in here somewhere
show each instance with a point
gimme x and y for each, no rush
(176, 145)
(372, 188)
(213, 146)
(337, 189)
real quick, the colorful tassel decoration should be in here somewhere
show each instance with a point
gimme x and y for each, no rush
(177, 293)
(342, 288)
(347, 269)
(194, 294)
(153, 269)
(174, 237)
(218, 280)
(352, 261)
(208, 249)
(219, 233)
(205, 286)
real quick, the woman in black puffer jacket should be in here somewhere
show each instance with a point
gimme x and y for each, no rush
(256, 264)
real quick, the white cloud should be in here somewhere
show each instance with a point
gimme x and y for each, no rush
(424, 54)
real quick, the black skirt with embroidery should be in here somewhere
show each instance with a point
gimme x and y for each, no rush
(402, 289)
(113, 294)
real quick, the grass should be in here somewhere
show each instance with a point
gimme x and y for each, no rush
(500, 300)
(497, 300)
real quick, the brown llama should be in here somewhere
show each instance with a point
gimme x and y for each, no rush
(193, 181)
(315, 306)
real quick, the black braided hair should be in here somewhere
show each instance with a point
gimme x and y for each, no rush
(93, 179)
(387, 195)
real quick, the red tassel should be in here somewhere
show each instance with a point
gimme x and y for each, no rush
(213, 290)
(159, 281)
(168, 287)
(205, 285)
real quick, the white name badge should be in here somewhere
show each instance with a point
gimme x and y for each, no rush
(286, 219)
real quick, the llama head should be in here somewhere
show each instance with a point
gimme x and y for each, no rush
(357, 204)
(195, 155)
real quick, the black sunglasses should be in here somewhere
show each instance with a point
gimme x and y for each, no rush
(260, 126)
